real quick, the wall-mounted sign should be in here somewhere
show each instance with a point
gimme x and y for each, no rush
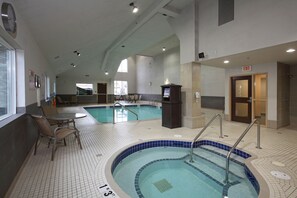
(246, 68)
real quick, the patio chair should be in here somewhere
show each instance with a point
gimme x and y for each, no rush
(60, 101)
(57, 134)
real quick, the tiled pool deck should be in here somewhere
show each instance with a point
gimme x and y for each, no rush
(79, 173)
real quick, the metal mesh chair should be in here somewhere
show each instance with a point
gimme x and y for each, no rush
(59, 133)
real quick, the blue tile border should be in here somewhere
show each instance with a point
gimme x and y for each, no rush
(183, 144)
(172, 143)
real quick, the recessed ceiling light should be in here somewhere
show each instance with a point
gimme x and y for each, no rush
(291, 50)
(226, 61)
(106, 73)
(164, 49)
(73, 65)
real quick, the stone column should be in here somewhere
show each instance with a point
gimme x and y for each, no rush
(191, 106)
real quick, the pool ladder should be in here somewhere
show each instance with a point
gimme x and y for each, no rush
(204, 128)
(237, 142)
(124, 108)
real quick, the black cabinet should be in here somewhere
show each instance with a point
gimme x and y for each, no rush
(171, 106)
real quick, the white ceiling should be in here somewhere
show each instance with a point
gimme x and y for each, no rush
(265, 55)
(91, 27)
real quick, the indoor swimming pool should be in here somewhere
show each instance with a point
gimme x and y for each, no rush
(162, 169)
(105, 114)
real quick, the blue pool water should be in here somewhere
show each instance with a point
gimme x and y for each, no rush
(163, 172)
(144, 112)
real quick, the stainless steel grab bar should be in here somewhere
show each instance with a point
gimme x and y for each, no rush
(124, 108)
(237, 142)
(200, 133)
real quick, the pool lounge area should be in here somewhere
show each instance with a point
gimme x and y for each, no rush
(80, 173)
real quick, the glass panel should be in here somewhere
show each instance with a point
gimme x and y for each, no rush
(120, 87)
(241, 110)
(6, 82)
(260, 85)
(123, 66)
(241, 88)
(260, 111)
(84, 89)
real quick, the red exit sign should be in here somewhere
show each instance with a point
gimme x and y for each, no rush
(246, 68)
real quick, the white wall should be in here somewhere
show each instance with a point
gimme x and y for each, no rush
(67, 85)
(184, 28)
(257, 24)
(212, 81)
(271, 70)
(29, 56)
(156, 70)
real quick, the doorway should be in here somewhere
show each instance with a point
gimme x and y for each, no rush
(102, 92)
(260, 98)
(241, 99)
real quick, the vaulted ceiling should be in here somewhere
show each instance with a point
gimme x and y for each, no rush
(102, 31)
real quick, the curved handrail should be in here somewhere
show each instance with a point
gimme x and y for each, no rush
(205, 127)
(237, 142)
(124, 108)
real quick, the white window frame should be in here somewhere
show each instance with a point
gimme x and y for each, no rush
(11, 81)
(123, 68)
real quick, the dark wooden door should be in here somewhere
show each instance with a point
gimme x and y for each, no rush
(102, 92)
(241, 101)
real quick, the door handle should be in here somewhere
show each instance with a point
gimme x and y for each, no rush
(250, 100)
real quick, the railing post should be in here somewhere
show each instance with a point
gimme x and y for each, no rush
(113, 120)
(204, 128)
(258, 135)
(221, 129)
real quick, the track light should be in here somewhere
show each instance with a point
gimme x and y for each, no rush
(134, 8)
(76, 52)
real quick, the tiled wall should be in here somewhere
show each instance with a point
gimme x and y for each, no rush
(16, 141)
(283, 95)
(213, 102)
(293, 96)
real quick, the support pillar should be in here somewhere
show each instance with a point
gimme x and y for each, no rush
(192, 117)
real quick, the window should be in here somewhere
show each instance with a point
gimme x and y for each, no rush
(123, 66)
(47, 88)
(7, 80)
(84, 89)
(120, 87)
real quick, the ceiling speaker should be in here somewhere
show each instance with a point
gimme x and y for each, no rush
(201, 55)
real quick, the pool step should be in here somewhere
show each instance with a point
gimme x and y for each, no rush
(212, 177)
(212, 169)
(220, 160)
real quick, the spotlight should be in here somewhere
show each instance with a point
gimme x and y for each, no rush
(76, 52)
(164, 49)
(106, 73)
(134, 8)
(73, 65)
(226, 61)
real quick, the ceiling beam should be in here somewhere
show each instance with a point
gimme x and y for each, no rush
(142, 19)
(170, 11)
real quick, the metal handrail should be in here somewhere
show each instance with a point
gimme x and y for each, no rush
(124, 108)
(237, 142)
(199, 134)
